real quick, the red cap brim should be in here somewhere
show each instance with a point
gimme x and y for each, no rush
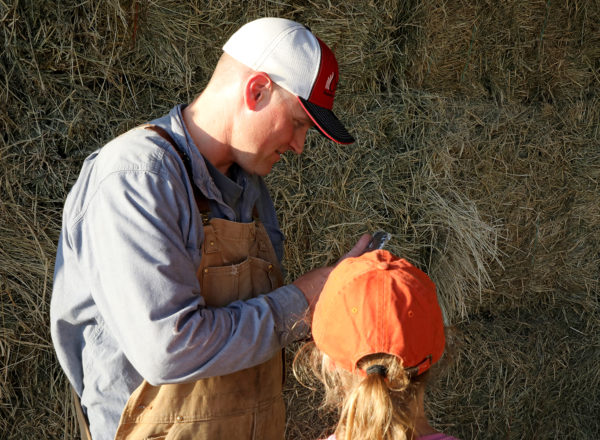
(326, 122)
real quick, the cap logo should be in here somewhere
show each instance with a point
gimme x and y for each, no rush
(330, 85)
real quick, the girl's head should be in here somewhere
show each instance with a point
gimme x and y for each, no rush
(377, 329)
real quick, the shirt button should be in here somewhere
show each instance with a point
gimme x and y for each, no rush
(382, 266)
(180, 418)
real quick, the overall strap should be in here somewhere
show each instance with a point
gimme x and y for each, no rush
(82, 421)
(201, 200)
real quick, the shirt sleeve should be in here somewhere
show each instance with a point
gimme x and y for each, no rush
(143, 273)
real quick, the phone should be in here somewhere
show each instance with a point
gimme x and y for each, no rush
(378, 241)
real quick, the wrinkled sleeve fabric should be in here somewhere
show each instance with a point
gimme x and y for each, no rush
(143, 273)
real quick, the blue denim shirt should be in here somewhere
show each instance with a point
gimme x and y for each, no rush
(126, 304)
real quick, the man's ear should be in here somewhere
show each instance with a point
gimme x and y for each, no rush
(257, 91)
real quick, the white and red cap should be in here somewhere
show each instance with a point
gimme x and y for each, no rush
(297, 61)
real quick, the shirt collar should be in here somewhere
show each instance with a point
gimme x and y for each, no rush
(215, 185)
(231, 188)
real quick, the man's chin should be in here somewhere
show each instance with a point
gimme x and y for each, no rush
(259, 172)
(263, 171)
(260, 169)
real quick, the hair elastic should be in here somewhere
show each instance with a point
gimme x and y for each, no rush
(377, 369)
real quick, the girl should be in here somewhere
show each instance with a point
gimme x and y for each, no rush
(377, 330)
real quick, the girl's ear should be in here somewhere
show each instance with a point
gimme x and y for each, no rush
(257, 91)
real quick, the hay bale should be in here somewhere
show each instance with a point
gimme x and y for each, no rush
(479, 150)
(523, 51)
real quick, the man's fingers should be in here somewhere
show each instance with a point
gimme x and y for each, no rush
(359, 247)
(311, 283)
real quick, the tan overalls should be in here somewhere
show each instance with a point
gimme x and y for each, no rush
(238, 262)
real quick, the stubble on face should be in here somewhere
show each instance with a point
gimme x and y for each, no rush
(280, 126)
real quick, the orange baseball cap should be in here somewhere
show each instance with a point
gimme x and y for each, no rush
(379, 303)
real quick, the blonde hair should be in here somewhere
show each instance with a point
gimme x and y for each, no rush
(374, 407)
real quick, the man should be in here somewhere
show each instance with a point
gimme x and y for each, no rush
(170, 240)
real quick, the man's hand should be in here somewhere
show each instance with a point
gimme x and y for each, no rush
(358, 248)
(311, 283)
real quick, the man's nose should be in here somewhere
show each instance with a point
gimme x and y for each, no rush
(297, 144)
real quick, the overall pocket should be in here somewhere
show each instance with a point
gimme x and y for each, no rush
(222, 285)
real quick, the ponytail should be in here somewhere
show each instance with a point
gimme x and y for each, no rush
(378, 406)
